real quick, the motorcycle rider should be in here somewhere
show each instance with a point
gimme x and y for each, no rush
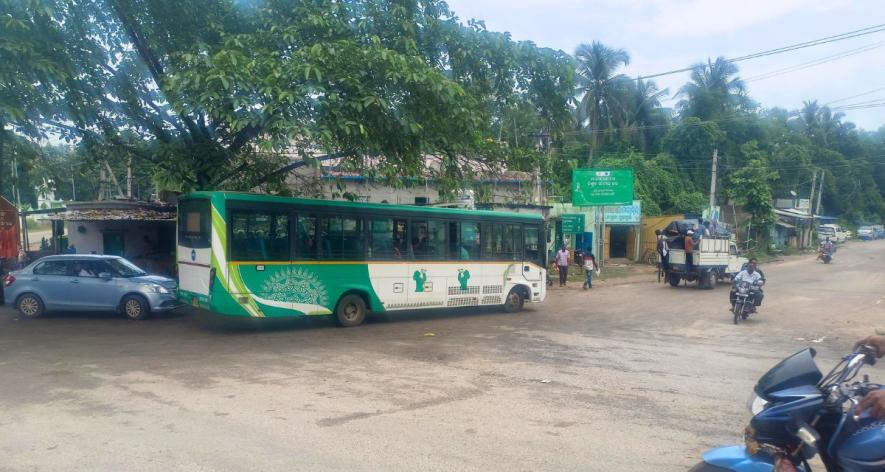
(873, 402)
(826, 247)
(751, 275)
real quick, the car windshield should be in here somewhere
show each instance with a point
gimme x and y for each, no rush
(125, 268)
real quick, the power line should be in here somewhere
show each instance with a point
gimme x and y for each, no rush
(793, 47)
(816, 62)
(868, 102)
(861, 107)
(854, 96)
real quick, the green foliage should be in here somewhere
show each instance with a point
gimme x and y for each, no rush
(224, 94)
(660, 185)
(750, 185)
(205, 94)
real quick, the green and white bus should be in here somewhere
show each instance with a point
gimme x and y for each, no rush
(263, 256)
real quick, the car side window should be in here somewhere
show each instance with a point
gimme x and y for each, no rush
(81, 268)
(52, 268)
(101, 266)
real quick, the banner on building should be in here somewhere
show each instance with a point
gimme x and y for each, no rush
(601, 187)
(624, 214)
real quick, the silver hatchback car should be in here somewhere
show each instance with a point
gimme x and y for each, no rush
(88, 283)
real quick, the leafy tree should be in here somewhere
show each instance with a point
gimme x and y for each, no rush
(750, 186)
(691, 143)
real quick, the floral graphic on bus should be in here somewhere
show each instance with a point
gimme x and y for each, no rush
(420, 276)
(463, 277)
(296, 285)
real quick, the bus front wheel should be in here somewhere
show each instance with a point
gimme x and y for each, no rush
(351, 311)
(514, 301)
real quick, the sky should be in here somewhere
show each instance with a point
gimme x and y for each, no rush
(663, 35)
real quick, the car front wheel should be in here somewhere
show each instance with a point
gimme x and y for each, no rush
(135, 307)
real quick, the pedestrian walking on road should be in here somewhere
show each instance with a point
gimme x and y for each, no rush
(589, 267)
(689, 250)
(562, 260)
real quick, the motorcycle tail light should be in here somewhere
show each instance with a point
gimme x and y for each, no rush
(8, 280)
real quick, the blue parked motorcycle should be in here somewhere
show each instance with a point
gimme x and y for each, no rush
(799, 412)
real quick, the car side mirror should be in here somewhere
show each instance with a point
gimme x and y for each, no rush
(104, 275)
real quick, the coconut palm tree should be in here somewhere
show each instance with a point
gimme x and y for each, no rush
(642, 109)
(819, 123)
(600, 85)
(714, 90)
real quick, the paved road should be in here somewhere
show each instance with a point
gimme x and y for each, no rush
(637, 376)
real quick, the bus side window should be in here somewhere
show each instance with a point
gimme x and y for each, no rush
(456, 251)
(533, 247)
(512, 242)
(330, 237)
(259, 236)
(469, 242)
(352, 246)
(341, 238)
(387, 239)
(493, 242)
(428, 240)
(307, 237)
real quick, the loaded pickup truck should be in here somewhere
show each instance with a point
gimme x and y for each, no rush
(715, 259)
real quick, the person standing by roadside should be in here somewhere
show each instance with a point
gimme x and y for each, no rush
(589, 267)
(689, 250)
(562, 260)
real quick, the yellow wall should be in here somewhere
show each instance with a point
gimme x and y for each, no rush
(649, 225)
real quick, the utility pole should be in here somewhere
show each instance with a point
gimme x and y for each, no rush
(713, 183)
(100, 182)
(129, 179)
(16, 192)
(73, 186)
(820, 192)
(807, 237)
(813, 185)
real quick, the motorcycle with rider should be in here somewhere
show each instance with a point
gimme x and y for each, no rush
(799, 413)
(746, 291)
(827, 248)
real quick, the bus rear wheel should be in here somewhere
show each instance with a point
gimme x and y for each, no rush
(351, 311)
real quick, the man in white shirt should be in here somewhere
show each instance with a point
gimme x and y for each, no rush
(562, 260)
(663, 250)
(751, 275)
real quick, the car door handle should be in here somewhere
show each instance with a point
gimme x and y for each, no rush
(75, 281)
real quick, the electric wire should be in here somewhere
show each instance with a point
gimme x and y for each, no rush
(825, 40)
(816, 62)
(854, 96)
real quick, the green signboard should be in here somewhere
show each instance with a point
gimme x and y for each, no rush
(595, 187)
(572, 224)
